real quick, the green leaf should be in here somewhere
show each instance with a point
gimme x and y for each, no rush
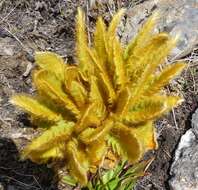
(69, 180)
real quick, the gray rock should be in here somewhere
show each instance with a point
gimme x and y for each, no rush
(177, 16)
(184, 170)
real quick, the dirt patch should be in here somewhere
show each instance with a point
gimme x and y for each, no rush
(28, 26)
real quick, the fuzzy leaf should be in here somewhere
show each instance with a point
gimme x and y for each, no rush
(48, 85)
(78, 93)
(77, 163)
(95, 94)
(119, 76)
(103, 78)
(111, 33)
(143, 35)
(146, 136)
(164, 77)
(35, 108)
(51, 137)
(71, 74)
(55, 153)
(85, 64)
(51, 62)
(91, 135)
(96, 151)
(100, 40)
(91, 116)
(115, 145)
(146, 110)
(123, 102)
(131, 148)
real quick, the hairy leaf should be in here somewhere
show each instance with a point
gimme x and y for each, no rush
(51, 62)
(35, 108)
(131, 148)
(51, 137)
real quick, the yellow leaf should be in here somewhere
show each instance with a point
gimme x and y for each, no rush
(143, 36)
(164, 77)
(55, 153)
(145, 110)
(35, 108)
(146, 136)
(111, 33)
(100, 40)
(104, 79)
(119, 76)
(71, 74)
(110, 37)
(48, 84)
(131, 147)
(51, 62)
(87, 119)
(78, 92)
(123, 102)
(77, 162)
(95, 94)
(158, 50)
(91, 135)
(51, 137)
(147, 56)
(85, 64)
(96, 151)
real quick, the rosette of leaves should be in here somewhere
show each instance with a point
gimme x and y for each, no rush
(109, 99)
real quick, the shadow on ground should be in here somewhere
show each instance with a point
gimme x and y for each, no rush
(22, 175)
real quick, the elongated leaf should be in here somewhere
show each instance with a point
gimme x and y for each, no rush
(95, 94)
(160, 48)
(103, 78)
(114, 144)
(111, 33)
(88, 118)
(78, 93)
(123, 102)
(111, 36)
(71, 74)
(144, 111)
(51, 137)
(147, 56)
(100, 41)
(35, 108)
(51, 62)
(164, 77)
(119, 76)
(77, 163)
(146, 136)
(143, 35)
(48, 85)
(53, 154)
(131, 148)
(96, 151)
(85, 64)
(90, 135)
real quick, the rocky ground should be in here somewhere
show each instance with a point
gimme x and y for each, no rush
(30, 25)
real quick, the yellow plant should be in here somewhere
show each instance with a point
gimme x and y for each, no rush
(108, 100)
